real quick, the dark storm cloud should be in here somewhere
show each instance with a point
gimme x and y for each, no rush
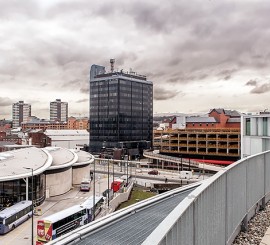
(164, 94)
(4, 101)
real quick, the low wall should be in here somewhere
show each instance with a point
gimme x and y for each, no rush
(58, 182)
(79, 173)
(119, 198)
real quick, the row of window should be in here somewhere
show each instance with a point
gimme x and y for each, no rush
(68, 219)
(18, 215)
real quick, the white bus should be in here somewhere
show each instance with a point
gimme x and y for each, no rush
(13, 216)
(58, 224)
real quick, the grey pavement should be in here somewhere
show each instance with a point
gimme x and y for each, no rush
(266, 238)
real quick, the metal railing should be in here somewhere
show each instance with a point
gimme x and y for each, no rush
(216, 211)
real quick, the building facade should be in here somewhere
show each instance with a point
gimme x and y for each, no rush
(255, 134)
(78, 123)
(20, 112)
(59, 111)
(121, 110)
(43, 124)
(212, 137)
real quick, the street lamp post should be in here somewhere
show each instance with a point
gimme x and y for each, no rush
(127, 171)
(113, 170)
(32, 206)
(108, 182)
(94, 189)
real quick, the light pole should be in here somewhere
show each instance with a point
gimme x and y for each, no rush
(94, 189)
(113, 170)
(108, 182)
(32, 207)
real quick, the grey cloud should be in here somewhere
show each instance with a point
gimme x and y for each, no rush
(164, 94)
(4, 101)
(84, 90)
(252, 83)
(18, 8)
(226, 74)
(82, 100)
(264, 88)
(177, 43)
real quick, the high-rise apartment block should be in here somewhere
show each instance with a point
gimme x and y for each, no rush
(121, 110)
(59, 111)
(20, 112)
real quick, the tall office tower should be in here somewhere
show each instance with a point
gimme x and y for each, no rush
(20, 113)
(58, 111)
(121, 110)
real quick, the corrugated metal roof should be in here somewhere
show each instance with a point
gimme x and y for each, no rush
(200, 120)
(234, 120)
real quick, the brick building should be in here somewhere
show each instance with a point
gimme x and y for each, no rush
(78, 123)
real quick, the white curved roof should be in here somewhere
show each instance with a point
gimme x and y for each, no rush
(62, 157)
(13, 164)
(83, 158)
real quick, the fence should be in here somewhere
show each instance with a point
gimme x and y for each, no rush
(215, 212)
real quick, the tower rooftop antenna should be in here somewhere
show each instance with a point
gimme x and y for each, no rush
(112, 61)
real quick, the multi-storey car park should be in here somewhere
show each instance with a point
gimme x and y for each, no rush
(215, 138)
(195, 143)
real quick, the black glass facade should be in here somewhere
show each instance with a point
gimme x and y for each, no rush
(14, 191)
(121, 110)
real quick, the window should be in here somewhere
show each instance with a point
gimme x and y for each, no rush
(247, 126)
(265, 126)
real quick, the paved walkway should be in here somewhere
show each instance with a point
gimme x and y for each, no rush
(266, 238)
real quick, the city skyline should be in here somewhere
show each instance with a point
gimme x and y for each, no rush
(199, 55)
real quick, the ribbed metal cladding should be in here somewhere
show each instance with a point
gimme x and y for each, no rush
(255, 180)
(236, 197)
(267, 171)
(135, 228)
(209, 214)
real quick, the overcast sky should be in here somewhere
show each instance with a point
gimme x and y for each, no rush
(199, 54)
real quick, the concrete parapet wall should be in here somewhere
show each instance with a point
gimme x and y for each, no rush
(80, 173)
(119, 198)
(58, 183)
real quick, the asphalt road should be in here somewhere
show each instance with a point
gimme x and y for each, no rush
(22, 234)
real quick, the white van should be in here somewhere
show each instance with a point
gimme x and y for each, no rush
(185, 174)
(85, 185)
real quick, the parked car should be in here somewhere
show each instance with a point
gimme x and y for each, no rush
(153, 172)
